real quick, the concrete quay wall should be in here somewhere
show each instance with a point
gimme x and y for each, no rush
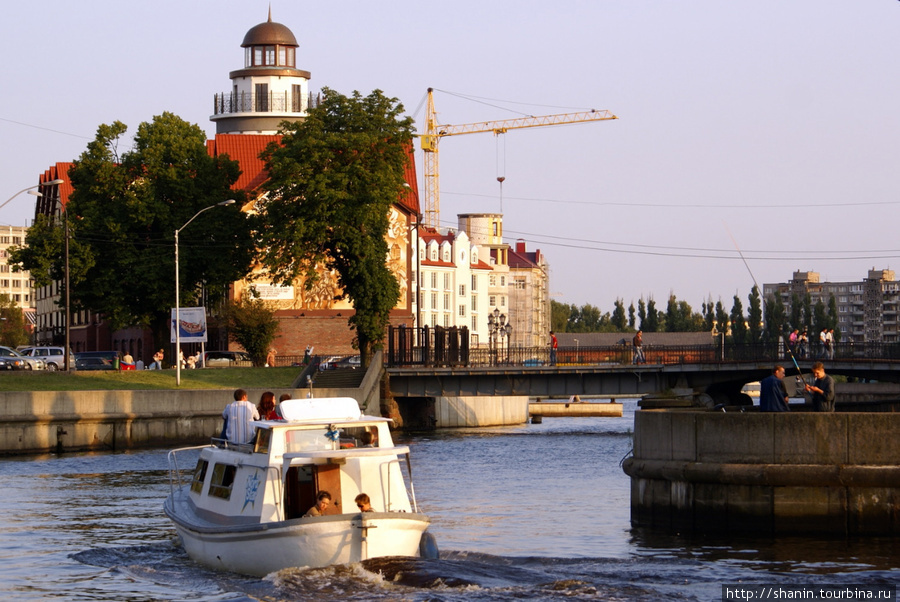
(766, 473)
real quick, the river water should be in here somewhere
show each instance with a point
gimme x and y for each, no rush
(525, 512)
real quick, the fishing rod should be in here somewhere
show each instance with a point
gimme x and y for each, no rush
(763, 300)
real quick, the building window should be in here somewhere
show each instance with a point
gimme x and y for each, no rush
(446, 320)
(474, 302)
(446, 301)
(462, 311)
(434, 280)
(492, 300)
(297, 100)
(474, 323)
(474, 283)
(462, 290)
(446, 282)
(493, 280)
(434, 304)
(502, 301)
(502, 280)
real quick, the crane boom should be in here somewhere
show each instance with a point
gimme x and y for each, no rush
(435, 131)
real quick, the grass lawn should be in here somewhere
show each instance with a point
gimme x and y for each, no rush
(209, 378)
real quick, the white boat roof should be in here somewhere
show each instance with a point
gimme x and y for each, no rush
(327, 408)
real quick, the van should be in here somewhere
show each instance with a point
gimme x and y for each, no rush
(53, 357)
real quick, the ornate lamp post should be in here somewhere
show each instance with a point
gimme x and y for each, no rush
(497, 329)
(178, 291)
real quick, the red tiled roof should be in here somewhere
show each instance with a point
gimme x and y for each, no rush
(245, 149)
(59, 171)
(521, 260)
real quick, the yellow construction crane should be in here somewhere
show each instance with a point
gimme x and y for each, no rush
(435, 131)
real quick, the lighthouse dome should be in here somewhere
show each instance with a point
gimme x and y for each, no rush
(269, 33)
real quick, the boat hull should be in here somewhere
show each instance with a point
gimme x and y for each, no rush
(260, 549)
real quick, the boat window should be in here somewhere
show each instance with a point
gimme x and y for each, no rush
(263, 440)
(307, 439)
(222, 480)
(362, 436)
(199, 475)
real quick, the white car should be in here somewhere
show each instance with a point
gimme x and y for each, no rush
(10, 359)
(53, 357)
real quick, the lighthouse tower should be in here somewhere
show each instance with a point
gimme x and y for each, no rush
(269, 89)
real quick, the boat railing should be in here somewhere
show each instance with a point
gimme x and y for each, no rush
(175, 481)
(246, 448)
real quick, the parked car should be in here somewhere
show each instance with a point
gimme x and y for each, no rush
(10, 359)
(227, 359)
(351, 361)
(97, 360)
(329, 362)
(53, 357)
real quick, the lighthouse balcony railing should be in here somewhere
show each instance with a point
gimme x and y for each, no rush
(227, 103)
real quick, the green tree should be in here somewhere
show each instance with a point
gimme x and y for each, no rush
(796, 312)
(820, 319)
(651, 324)
(722, 318)
(642, 313)
(619, 320)
(332, 181)
(559, 315)
(833, 317)
(754, 315)
(12, 323)
(631, 319)
(122, 218)
(709, 315)
(775, 318)
(738, 324)
(807, 311)
(252, 325)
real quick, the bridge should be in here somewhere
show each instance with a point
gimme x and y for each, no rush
(445, 366)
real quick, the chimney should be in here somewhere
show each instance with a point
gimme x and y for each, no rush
(520, 246)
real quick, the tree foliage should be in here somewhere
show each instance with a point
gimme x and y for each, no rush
(619, 320)
(754, 315)
(651, 324)
(332, 181)
(12, 323)
(252, 325)
(738, 323)
(122, 217)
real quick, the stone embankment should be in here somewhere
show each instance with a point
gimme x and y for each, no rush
(798, 472)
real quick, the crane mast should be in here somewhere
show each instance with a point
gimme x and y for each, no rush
(435, 131)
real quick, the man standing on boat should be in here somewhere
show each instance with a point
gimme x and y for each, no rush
(238, 415)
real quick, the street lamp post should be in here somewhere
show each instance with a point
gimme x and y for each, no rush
(178, 291)
(497, 329)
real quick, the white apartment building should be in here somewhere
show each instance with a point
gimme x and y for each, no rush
(16, 285)
(452, 281)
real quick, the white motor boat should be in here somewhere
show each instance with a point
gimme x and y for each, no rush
(242, 508)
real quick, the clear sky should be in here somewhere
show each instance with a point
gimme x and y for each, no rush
(775, 123)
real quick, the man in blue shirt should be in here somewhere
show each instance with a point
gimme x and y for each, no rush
(773, 395)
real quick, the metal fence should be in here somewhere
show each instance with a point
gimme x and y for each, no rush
(273, 102)
(437, 347)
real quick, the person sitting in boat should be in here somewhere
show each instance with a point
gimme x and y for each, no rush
(266, 407)
(238, 415)
(369, 438)
(363, 503)
(323, 500)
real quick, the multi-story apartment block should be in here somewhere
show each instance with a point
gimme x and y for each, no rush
(452, 283)
(529, 296)
(867, 310)
(15, 285)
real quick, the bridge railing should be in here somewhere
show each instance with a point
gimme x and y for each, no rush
(448, 347)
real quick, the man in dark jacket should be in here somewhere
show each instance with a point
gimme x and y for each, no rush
(822, 390)
(773, 395)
